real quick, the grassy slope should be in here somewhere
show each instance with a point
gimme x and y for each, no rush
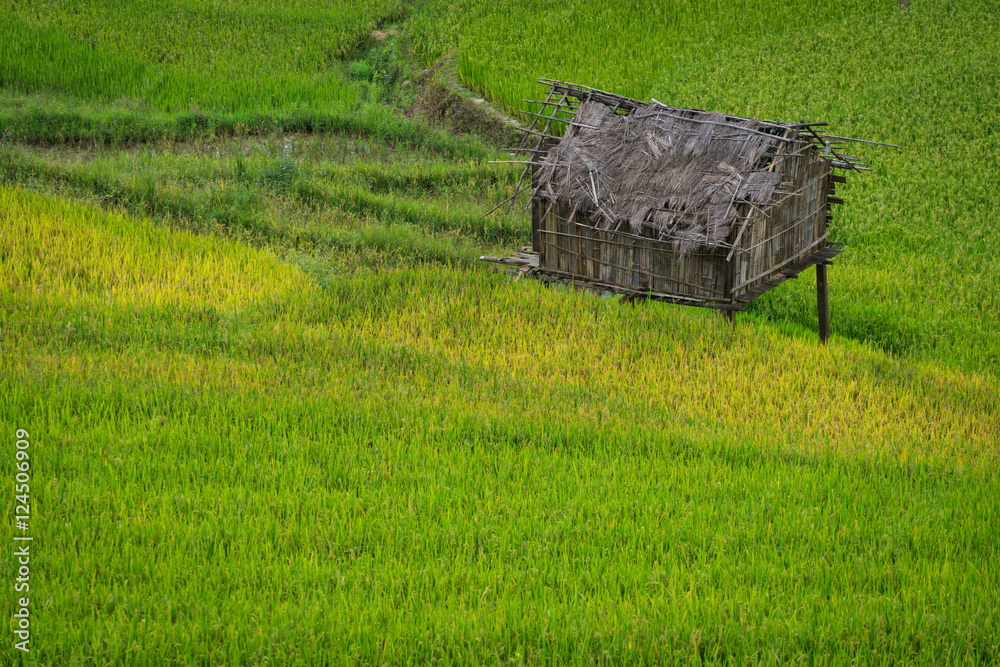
(920, 276)
(320, 196)
(179, 54)
(95, 73)
(232, 463)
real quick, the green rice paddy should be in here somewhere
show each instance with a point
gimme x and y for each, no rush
(280, 413)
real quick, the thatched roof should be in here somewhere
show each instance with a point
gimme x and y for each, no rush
(647, 168)
(686, 175)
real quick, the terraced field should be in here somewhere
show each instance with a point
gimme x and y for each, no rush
(221, 56)
(281, 414)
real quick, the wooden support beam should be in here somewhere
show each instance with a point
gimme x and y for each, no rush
(823, 302)
(536, 223)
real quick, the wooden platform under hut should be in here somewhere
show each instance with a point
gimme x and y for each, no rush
(671, 204)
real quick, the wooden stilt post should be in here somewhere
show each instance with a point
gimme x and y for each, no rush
(823, 302)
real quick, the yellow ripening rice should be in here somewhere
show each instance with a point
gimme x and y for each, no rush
(74, 254)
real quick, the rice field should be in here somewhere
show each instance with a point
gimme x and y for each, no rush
(631, 48)
(545, 476)
(189, 54)
(280, 413)
(305, 196)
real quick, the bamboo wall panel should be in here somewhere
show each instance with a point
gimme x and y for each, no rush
(796, 224)
(573, 247)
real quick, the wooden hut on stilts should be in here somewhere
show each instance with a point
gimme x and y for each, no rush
(678, 205)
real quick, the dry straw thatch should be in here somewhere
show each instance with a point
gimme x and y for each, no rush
(687, 176)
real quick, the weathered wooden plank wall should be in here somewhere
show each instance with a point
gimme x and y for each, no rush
(568, 244)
